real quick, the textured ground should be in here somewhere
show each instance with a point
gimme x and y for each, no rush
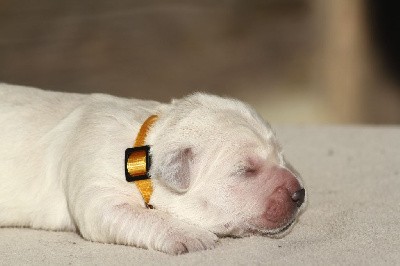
(352, 175)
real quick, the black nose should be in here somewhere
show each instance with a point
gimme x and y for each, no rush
(298, 197)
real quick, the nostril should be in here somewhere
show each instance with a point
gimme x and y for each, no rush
(298, 196)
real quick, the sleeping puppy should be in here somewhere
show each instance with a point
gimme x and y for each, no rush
(216, 169)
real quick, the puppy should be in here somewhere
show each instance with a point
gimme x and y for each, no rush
(216, 169)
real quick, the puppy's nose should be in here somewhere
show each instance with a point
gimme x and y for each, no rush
(298, 197)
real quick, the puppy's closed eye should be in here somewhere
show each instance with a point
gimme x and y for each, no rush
(251, 171)
(247, 170)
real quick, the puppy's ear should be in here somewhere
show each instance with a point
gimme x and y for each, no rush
(175, 168)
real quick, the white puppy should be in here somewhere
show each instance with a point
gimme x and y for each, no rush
(217, 169)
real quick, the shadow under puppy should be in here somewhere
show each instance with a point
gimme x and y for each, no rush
(216, 169)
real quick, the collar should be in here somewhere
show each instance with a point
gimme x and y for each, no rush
(138, 162)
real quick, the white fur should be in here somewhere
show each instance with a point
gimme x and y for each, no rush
(62, 168)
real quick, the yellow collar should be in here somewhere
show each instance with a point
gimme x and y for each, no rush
(138, 162)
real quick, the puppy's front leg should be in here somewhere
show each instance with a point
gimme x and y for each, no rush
(104, 215)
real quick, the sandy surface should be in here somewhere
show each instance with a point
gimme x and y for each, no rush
(352, 176)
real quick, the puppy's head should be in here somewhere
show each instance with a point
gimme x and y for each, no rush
(217, 164)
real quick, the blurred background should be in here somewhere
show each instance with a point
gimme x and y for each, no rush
(296, 61)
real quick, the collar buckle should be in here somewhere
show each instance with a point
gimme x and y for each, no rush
(137, 163)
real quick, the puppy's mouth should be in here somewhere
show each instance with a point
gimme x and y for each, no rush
(279, 232)
(250, 229)
(273, 233)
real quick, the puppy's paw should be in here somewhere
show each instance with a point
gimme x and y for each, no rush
(183, 239)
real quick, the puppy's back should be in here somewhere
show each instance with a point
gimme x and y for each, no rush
(28, 117)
